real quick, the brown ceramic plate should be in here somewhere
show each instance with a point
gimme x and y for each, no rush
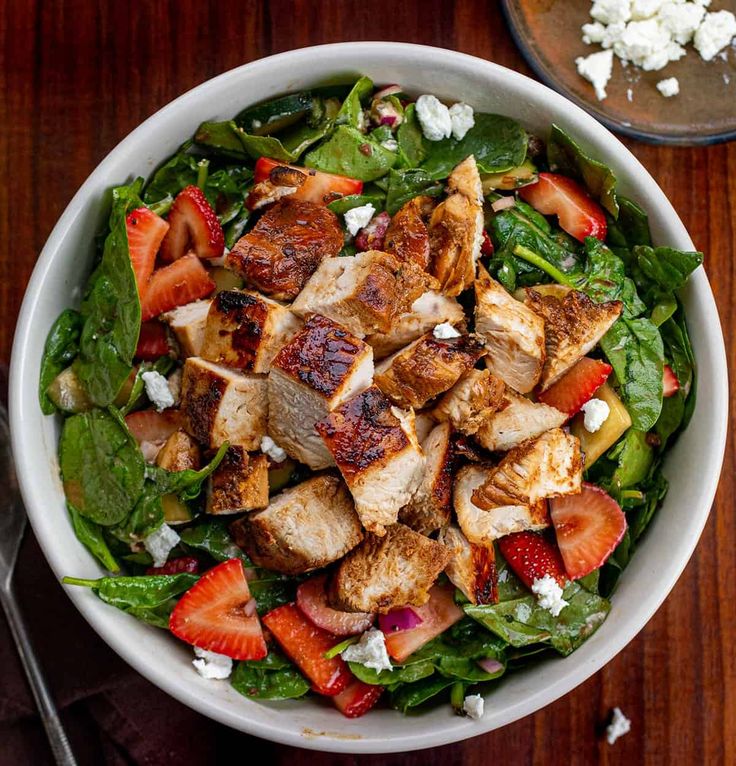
(548, 34)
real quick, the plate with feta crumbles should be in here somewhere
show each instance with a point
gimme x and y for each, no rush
(662, 71)
(374, 399)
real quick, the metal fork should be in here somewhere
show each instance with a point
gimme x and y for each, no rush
(12, 526)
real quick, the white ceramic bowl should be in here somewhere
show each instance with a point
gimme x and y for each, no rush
(693, 467)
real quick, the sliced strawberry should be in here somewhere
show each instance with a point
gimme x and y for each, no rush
(577, 386)
(153, 342)
(486, 246)
(184, 281)
(145, 231)
(306, 645)
(357, 698)
(218, 614)
(531, 557)
(311, 598)
(194, 226)
(578, 214)
(372, 236)
(670, 383)
(589, 526)
(176, 566)
(437, 615)
(151, 426)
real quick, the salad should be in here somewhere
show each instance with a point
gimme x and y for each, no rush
(368, 397)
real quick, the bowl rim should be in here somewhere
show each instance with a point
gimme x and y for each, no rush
(23, 400)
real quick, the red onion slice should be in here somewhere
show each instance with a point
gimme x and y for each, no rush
(503, 204)
(387, 119)
(389, 90)
(490, 665)
(311, 598)
(399, 619)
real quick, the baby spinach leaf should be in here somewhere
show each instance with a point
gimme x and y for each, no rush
(404, 185)
(179, 171)
(408, 696)
(225, 191)
(222, 138)
(632, 226)
(606, 280)
(137, 392)
(273, 678)
(188, 483)
(213, 537)
(413, 147)
(342, 205)
(271, 589)
(634, 457)
(62, 346)
(146, 517)
(350, 111)
(655, 492)
(348, 152)
(410, 673)
(90, 535)
(668, 268)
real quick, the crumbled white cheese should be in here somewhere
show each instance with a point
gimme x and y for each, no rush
(619, 726)
(681, 20)
(669, 87)
(462, 118)
(715, 33)
(605, 36)
(270, 448)
(648, 45)
(160, 544)
(596, 413)
(434, 118)
(473, 706)
(212, 665)
(157, 390)
(445, 331)
(645, 9)
(549, 594)
(597, 69)
(522, 612)
(359, 217)
(370, 651)
(611, 11)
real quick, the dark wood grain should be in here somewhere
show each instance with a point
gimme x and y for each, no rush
(76, 77)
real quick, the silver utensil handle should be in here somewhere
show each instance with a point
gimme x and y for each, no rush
(49, 715)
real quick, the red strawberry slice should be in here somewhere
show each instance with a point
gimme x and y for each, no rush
(357, 698)
(153, 342)
(176, 566)
(532, 556)
(145, 231)
(311, 598)
(578, 214)
(670, 383)
(218, 614)
(577, 386)
(589, 526)
(184, 281)
(194, 226)
(306, 645)
(151, 426)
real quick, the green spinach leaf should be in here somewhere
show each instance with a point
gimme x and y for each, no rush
(272, 678)
(350, 111)
(90, 535)
(404, 185)
(668, 268)
(175, 174)
(188, 483)
(413, 146)
(348, 152)
(408, 696)
(62, 346)
(213, 538)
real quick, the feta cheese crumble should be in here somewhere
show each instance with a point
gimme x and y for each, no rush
(160, 544)
(270, 448)
(597, 69)
(445, 331)
(463, 119)
(596, 413)
(370, 651)
(434, 118)
(681, 20)
(611, 11)
(619, 726)
(358, 218)
(212, 665)
(715, 33)
(669, 87)
(549, 595)
(473, 706)
(157, 390)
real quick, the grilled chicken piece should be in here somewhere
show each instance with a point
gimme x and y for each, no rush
(517, 420)
(471, 401)
(482, 527)
(305, 527)
(425, 313)
(283, 181)
(456, 230)
(472, 567)
(320, 367)
(364, 292)
(386, 572)
(180, 453)
(514, 334)
(423, 424)
(426, 368)
(431, 506)
(246, 330)
(407, 236)
(219, 404)
(376, 449)
(187, 323)
(239, 483)
(285, 247)
(573, 326)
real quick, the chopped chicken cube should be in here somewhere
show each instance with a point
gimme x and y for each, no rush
(472, 567)
(239, 483)
(407, 236)
(187, 323)
(471, 401)
(180, 453)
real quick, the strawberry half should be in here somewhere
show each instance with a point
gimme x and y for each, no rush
(184, 281)
(589, 526)
(670, 383)
(577, 386)
(194, 225)
(176, 566)
(306, 645)
(532, 556)
(578, 214)
(311, 598)
(153, 342)
(145, 232)
(218, 614)
(357, 698)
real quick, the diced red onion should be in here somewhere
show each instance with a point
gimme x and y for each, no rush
(389, 90)
(490, 665)
(387, 119)
(371, 236)
(503, 204)
(399, 619)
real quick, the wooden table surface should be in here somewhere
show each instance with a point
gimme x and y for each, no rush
(76, 77)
